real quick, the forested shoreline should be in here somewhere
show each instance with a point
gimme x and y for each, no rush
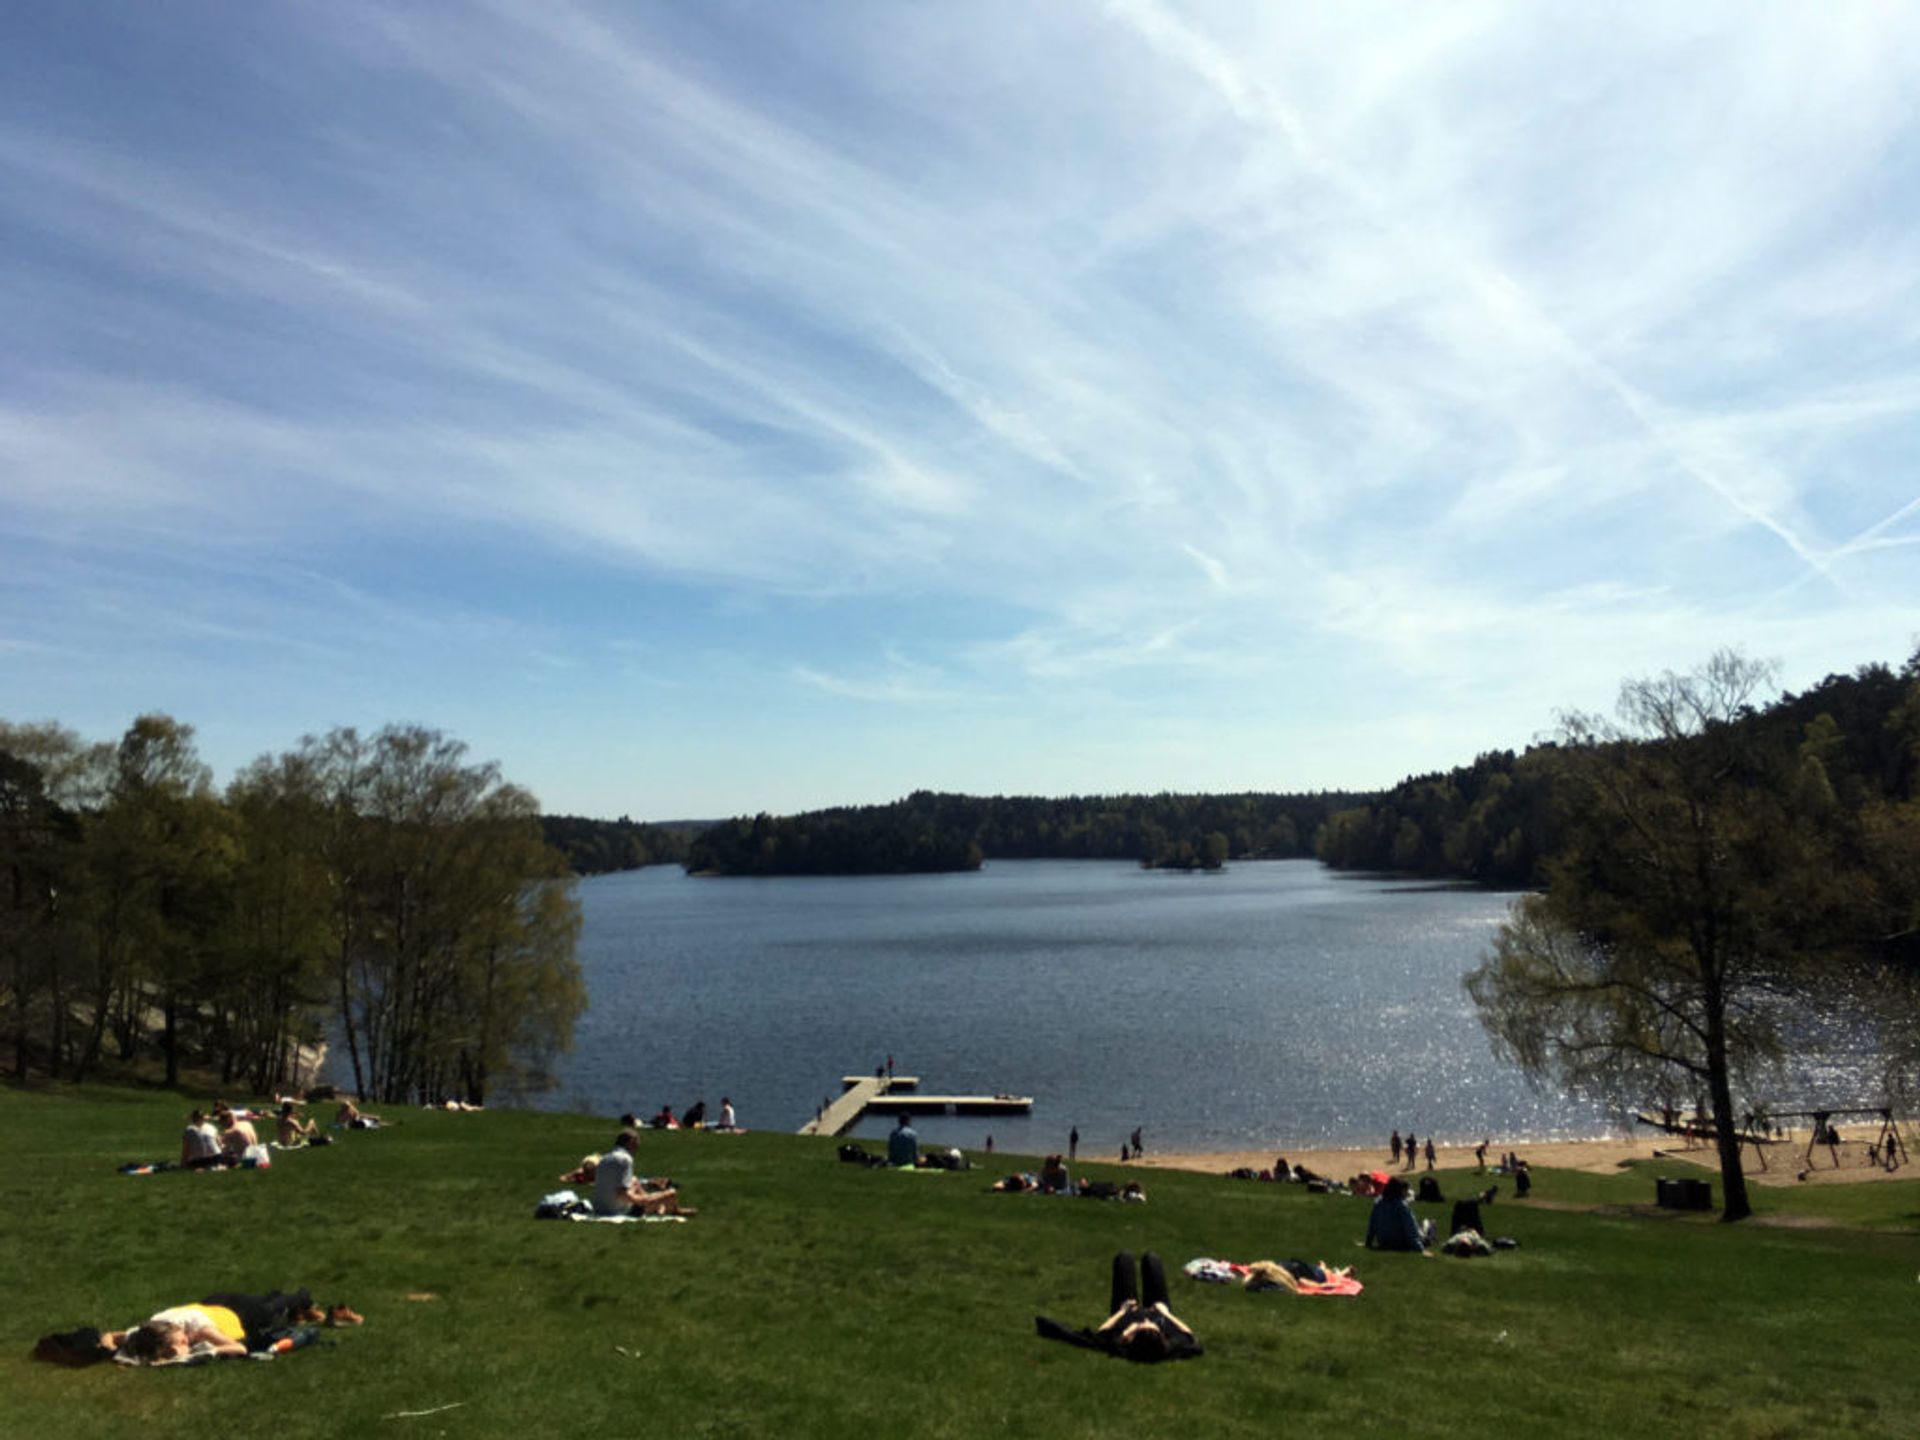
(379, 891)
(599, 847)
(929, 831)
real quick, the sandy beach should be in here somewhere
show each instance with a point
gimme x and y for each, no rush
(1786, 1161)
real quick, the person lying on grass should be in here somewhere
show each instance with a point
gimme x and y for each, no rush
(1141, 1327)
(354, 1118)
(228, 1323)
(617, 1192)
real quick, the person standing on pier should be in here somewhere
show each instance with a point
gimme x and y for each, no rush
(1073, 1144)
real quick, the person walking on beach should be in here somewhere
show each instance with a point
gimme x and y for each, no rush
(1480, 1154)
(1395, 1142)
(1073, 1143)
(1413, 1151)
(1138, 1148)
(1429, 1152)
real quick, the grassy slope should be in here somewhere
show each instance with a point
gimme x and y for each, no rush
(811, 1297)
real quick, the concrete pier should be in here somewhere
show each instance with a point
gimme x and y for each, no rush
(898, 1094)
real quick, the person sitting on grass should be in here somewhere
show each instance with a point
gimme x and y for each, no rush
(1392, 1225)
(903, 1144)
(200, 1144)
(617, 1192)
(1141, 1327)
(229, 1324)
(237, 1135)
(1054, 1179)
(294, 1130)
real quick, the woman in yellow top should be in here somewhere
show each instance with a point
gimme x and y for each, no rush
(231, 1324)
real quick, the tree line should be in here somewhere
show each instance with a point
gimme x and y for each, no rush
(934, 831)
(380, 891)
(1498, 821)
(599, 847)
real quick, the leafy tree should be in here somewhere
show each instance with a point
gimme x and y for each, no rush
(451, 925)
(1695, 883)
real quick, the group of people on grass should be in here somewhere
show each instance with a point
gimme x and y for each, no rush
(695, 1118)
(225, 1136)
(1140, 1326)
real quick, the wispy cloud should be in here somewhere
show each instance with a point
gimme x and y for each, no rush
(1134, 359)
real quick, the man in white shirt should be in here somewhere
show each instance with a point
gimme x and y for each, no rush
(200, 1143)
(617, 1192)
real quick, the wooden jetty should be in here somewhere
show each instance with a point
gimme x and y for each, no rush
(899, 1094)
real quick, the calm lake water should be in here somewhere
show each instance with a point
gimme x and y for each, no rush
(1271, 1002)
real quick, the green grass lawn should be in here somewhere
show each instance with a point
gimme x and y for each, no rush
(811, 1297)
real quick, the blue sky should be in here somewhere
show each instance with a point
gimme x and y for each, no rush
(707, 408)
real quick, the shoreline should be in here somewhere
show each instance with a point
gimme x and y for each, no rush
(1786, 1161)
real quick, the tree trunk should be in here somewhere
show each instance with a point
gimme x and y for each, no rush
(170, 1037)
(1733, 1177)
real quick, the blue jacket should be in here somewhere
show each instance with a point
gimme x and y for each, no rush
(903, 1146)
(1393, 1226)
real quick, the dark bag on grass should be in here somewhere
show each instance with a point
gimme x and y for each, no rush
(71, 1347)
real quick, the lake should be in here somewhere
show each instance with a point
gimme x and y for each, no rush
(1273, 1001)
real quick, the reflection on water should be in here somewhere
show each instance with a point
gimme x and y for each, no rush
(1274, 1001)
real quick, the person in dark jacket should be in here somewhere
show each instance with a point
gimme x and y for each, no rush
(1141, 1327)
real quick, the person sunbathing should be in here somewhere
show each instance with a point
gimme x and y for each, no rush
(354, 1118)
(1141, 1327)
(227, 1323)
(237, 1135)
(293, 1129)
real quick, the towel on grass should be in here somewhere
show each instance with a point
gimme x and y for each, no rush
(1301, 1277)
(565, 1205)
